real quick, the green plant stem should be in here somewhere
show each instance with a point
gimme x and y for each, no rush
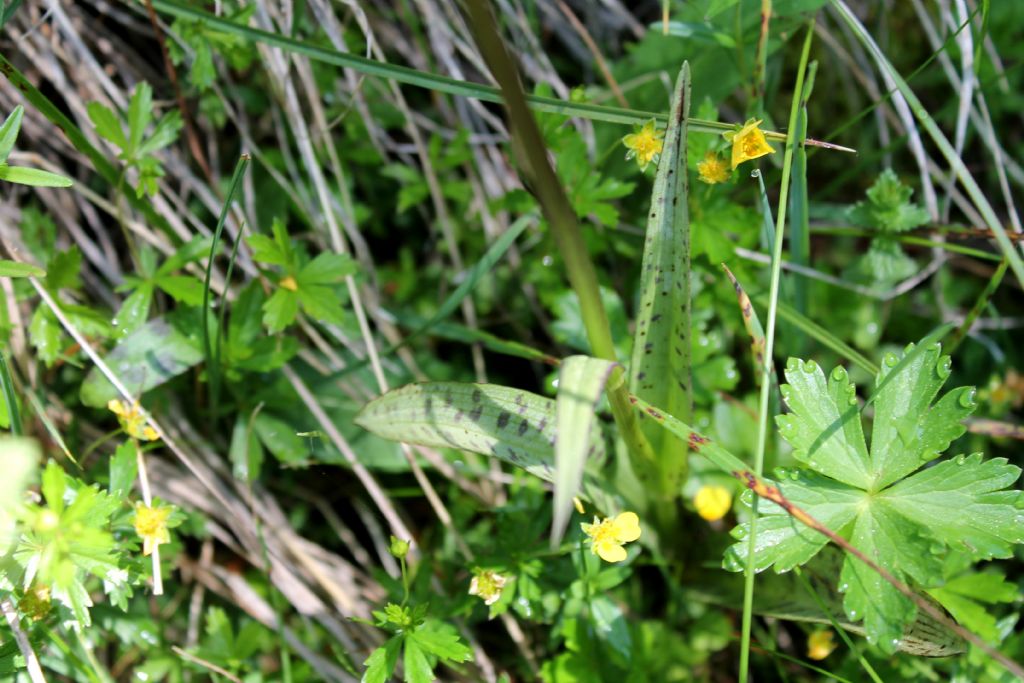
(765, 396)
(957, 336)
(438, 83)
(528, 147)
(211, 350)
(13, 415)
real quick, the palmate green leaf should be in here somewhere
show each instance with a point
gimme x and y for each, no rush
(659, 371)
(903, 523)
(326, 269)
(382, 661)
(108, 126)
(581, 381)
(140, 112)
(888, 207)
(965, 597)
(514, 426)
(280, 309)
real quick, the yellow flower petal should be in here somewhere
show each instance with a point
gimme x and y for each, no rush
(820, 644)
(627, 527)
(712, 502)
(645, 144)
(748, 143)
(289, 283)
(151, 526)
(610, 551)
(116, 407)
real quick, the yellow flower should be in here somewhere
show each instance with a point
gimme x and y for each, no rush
(133, 422)
(578, 504)
(151, 526)
(645, 144)
(35, 604)
(607, 536)
(748, 142)
(289, 283)
(487, 584)
(712, 502)
(713, 169)
(820, 644)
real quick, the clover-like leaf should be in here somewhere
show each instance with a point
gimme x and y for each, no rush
(897, 516)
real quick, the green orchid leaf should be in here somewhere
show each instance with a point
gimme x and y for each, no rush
(514, 426)
(660, 371)
(581, 381)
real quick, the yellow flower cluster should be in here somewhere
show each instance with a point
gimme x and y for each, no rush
(607, 536)
(713, 169)
(133, 422)
(645, 145)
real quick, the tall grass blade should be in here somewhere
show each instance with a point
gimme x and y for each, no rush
(660, 368)
(10, 397)
(212, 348)
(765, 395)
(945, 147)
(799, 224)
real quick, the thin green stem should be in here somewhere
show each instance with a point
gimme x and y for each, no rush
(765, 396)
(528, 147)
(958, 335)
(13, 415)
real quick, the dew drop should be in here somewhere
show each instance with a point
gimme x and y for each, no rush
(747, 497)
(756, 173)
(792, 365)
(810, 367)
(944, 367)
(959, 460)
(895, 642)
(839, 374)
(890, 359)
(853, 615)
(843, 587)
(967, 398)
(547, 260)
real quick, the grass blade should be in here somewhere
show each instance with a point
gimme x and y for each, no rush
(211, 350)
(948, 152)
(10, 398)
(660, 368)
(581, 381)
(799, 224)
(765, 395)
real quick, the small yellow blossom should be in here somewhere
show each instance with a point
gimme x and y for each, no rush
(820, 644)
(607, 536)
(151, 526)
(748, 142)
(289, 283)
(578, 504)
(487, 584)
(712, 502)
(645, 144)
(713, 169)
(133, 422)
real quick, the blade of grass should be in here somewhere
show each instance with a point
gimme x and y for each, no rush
(481, 268)
(528, 146)
(957, 336)
(765, 394)
(822, 335)
(10, 398)
(438, 83)
(956, 163)
(799, 225)
(211, 350)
